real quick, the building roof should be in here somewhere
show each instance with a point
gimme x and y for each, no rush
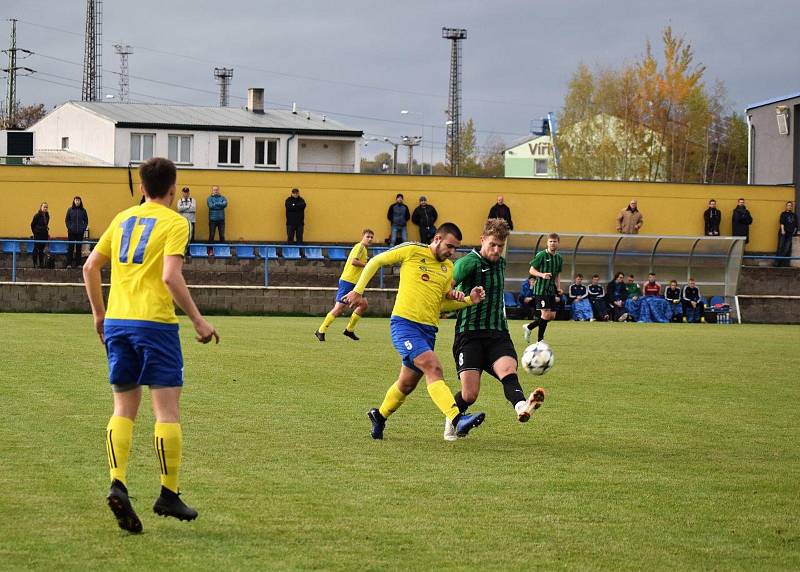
(64, 157)
(771, 101)
(197, 118)
(523, 140)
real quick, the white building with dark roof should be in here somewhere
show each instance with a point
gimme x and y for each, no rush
(251, 138)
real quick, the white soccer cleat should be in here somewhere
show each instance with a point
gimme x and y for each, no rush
(449, 430)
(526, 332)
(524, 409)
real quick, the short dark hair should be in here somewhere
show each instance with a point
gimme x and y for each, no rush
(595, 276)
(367, 231)
(449, 228)
(185, 189)
(579, 275)
(158, 175)
(554, 235)
(295, 190)
(399, 196)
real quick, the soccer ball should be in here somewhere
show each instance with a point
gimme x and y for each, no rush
(538, 358)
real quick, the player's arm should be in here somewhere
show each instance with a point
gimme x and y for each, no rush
(358, 263)
(175, 283)
(388, 258)
(534, 271)
(456, 300)
(94, 288)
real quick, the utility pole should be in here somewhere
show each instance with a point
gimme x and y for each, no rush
(411, 142)
(11, 70)
(92, 85)
(455, 35)
(223, 77)
(124, 50)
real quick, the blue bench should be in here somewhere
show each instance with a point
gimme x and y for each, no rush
(245, 252)
(268, 252)
(198, 251)
(290, 252)
(337, 254)
(10, 247)
(58, 247)
(313, 253)
(221, 251)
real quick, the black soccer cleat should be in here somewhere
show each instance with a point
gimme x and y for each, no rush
(320, 336)
(169, 504)
(120, 505)
(351, 335)
(378, 423)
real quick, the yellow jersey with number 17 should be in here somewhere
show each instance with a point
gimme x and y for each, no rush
(137, 241)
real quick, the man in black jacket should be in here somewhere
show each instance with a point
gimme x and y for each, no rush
(501, 210)
(712, 218)
(424, 217)
(398, 215)
(742, 221)
(787, 230)
(76, 221)
(295, 217)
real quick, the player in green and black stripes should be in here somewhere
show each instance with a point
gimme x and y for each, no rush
(546, 268)
(482, 340)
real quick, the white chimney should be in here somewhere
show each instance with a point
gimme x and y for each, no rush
(294, 107)
(255, 99)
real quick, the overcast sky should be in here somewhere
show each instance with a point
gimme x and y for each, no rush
(362, 62)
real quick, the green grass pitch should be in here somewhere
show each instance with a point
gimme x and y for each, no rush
(669, 447)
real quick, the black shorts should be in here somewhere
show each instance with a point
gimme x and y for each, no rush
(546, 302)
(478, 351)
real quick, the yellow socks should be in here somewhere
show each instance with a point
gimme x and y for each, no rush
(119, 435)
(443, 399)
(351, 325)
(167, 440)
(393, 400)
(326, 323)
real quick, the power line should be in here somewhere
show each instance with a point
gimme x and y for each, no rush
(312, 78)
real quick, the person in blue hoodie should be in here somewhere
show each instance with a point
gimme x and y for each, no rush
(216, 214)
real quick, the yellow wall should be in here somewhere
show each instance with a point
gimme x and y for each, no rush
(340, 205)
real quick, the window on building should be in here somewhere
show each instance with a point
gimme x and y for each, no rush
(142, 145)
(180, 148)
(230, 151)
(65, 142)
(267, 152)
(540, 166)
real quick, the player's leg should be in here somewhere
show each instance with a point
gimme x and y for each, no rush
(168, 445)
(395, 396)
(505, 369)
(349, 331)
(335, 312)
(431, 367)
(124, 368)
(547, 306)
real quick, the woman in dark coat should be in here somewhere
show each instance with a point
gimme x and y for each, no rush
(40, 227)
(77, 221)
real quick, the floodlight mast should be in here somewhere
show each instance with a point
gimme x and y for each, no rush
(455, 35)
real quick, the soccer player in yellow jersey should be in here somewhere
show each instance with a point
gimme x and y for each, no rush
(356, 261)
(426, 275)
(145, 245)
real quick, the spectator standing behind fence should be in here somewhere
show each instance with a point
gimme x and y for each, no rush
(787, 229)
(187, 208)
(578, 298)
(424, 217)
(673, 296)
(40, 227)
(692, 304)
(295, 217)
(712, 217)
(216, 214)
(76, 221)
(597, 298)
(742, 219)
(526, 298)
(630, 219)
(398, 216)
(501, 210)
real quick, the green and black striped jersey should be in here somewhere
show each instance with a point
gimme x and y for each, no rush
(474, 270)
(546, 262)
